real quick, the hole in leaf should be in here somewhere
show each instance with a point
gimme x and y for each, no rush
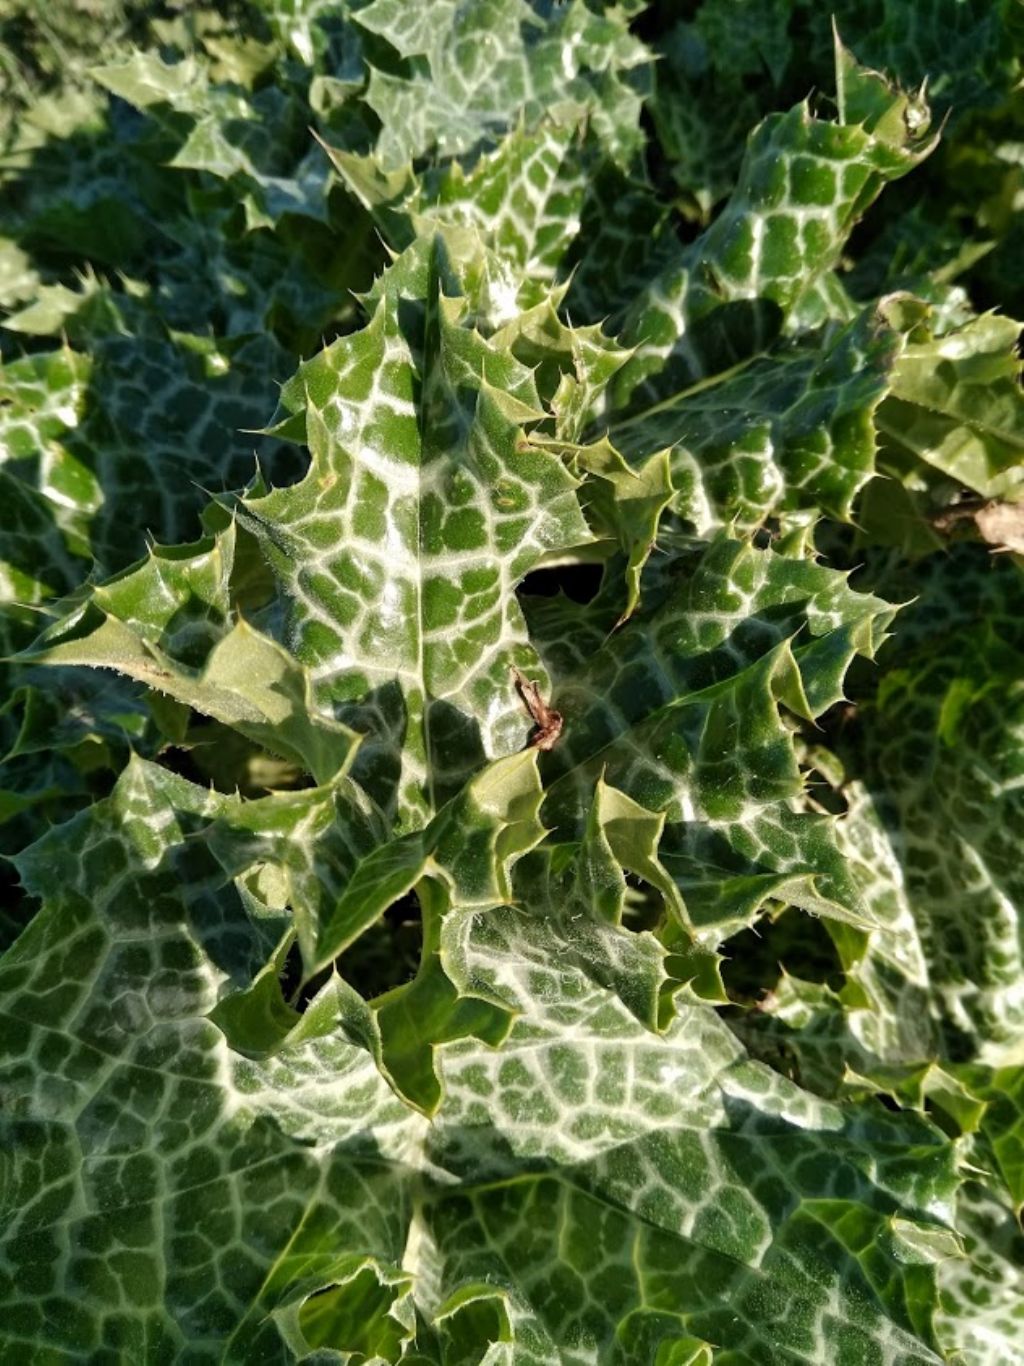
(283, 463)
(179, 760)
(388, 954)
(835, 724)
(354, 1318)
(797, 942)
(824, 774)
(957, 1045)
(16, 907)
(826, 796)
(291, 973)
(214, 753)
(764, 536)
(644, 907)
(297, 993)
(889, 1102)
(580, 582)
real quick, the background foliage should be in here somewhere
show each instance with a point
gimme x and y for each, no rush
(362, 363)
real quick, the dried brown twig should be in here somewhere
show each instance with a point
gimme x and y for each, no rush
(545, 718)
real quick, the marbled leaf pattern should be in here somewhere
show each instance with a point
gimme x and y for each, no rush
(509, 732)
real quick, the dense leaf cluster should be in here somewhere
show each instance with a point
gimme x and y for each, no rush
(513, 685)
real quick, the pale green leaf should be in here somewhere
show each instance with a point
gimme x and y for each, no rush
(168, 624)
(955, 402)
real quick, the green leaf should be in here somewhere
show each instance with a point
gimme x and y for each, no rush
(965, 50)
(636, 1190)
(459, 864)
(395, 557)
(941, 754)
(168, 624)
(145, 80)
(626, 237)
(124, 1146)
(804, 184)
(466, 848)
(476, 69)
(705, 99)
(331, 1179)
(524, 198)
(680, 710)
(125, 442)
(256, 138)
(43, 397)
(956, 403)
(791, 429)
(502, 896)
(625, 504)
(980, 1317)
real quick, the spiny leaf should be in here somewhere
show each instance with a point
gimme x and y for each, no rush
(524, 198)
(554, 1126)
(955, 402)
(626, 504)
(804, 184)
(168, 624)
(941, 754)
(793, 428)
(395, 557)
(680, 708)
(466, 87)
